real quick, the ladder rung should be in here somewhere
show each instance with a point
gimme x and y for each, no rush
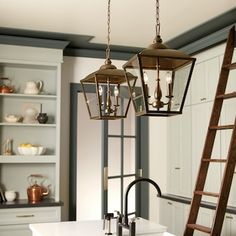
(230, 66)
(199, 228)
(221, 127)
(207, 193)
(226, 96)
(214, 160)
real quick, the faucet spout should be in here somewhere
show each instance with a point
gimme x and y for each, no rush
(126, 223)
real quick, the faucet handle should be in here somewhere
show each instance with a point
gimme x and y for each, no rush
(118, 217)
(107, 222)
(109, 216)
(117, 212)
(133, 219)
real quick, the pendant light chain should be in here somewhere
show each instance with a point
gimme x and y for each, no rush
(158, 25)
(108, 30)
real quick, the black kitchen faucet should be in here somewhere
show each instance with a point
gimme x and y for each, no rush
(122, 220)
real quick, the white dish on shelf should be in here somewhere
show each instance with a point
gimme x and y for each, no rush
(34, 150)
(11, 118)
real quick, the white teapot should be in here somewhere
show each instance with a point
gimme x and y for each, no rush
(33, 87)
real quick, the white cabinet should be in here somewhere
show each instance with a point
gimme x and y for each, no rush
(20, 65)
(228, 115)
(19, 230)
(179, 154)
(205, 218)
(229, 226)
(15, 221)
(172, 216)
(204, 80)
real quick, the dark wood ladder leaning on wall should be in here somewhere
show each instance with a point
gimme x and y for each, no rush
(230, 161)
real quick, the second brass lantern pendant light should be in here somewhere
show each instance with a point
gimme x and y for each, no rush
(106, 90)
(161, 78)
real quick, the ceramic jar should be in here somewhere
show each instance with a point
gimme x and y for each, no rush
(42, 118)
(10, 195)
(33, 87)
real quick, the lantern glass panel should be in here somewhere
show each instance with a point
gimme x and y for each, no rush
(91, 98)
(165, 83)
(135, 85)
(180, 87)
(113, 97)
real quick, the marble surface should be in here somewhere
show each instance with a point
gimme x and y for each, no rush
(94, 228)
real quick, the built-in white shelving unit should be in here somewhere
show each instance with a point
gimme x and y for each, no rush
(22, 64)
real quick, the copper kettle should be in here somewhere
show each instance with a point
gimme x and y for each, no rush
(35, 191)
(4, 88)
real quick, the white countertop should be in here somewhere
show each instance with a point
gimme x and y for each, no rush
(94, 228)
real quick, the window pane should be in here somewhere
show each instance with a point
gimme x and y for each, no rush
(131, 197)
(129, 122)
(114, 156)
(114, 127)
(114, 189)
(129, 155)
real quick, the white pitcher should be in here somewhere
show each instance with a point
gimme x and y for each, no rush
(33, 87)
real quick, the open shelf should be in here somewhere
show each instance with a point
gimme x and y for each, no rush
(36, 96)
(26, 124)
(21, 159)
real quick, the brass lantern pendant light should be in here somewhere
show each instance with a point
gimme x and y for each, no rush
(106, 90)
(161, 78)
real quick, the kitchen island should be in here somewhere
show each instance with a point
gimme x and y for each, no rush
(94, 228)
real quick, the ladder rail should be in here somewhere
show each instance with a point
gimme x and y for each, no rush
(210, 138)
(225, 185)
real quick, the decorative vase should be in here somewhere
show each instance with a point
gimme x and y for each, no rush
(42, 118)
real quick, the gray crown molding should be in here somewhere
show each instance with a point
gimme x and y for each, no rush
(211, 33)
(27, 41)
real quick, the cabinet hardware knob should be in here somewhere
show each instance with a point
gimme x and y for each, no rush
(202, 99)
(25, 216)
(177, 168)
(169, 203)
(229, 217)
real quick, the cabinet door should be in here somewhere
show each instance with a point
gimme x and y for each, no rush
(179, 154)
(204, 81)
(172, 215)
(13, 230)
(212, 73)
(205, 217)
(200, 121)
(198, 84)
(227, 118)
(173, 150)
(185, 181)
(229, 226)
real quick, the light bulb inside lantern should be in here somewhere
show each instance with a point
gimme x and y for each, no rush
(116, 91)
(168, 77)
(100, 90)
(145, 77)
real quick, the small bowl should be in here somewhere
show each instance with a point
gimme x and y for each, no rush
(34, 150)
(11, 118)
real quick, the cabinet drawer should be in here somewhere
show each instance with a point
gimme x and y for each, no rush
(29, 215)
(12, 230)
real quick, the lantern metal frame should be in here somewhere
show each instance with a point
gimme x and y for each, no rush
(107, 106)
(158, 57)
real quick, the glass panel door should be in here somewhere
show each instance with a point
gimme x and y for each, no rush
(120, 163)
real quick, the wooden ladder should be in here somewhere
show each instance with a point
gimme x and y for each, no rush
(230, 161)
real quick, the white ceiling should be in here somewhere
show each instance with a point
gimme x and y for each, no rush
(132, 21)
